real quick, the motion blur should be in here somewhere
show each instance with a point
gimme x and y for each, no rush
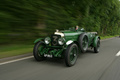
(22, 21)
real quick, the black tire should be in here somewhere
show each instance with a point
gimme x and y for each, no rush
(36, 52)
(71, 55)
(96, 49)
(83, 42)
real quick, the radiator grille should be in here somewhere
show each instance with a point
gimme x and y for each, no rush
(54, 40)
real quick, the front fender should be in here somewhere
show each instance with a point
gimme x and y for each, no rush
(37, 40)
(95, 41)
(69, 42)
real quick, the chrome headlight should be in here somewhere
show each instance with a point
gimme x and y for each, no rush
(61, 41)
(47, 40)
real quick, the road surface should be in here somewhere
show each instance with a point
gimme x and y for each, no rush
(89, 66)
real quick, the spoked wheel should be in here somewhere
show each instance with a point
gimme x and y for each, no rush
(83, 42)
(39, 46)
(96, 49)
(71, 55)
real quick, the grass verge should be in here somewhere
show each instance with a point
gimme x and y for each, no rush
(107, 37)
(14, 50)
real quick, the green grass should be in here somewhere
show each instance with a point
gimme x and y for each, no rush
(14, 50)
(107, 37)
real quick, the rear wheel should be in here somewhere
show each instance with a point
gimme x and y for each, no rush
(71, 55)
(39, 46)
(96, 49)
(83, 42)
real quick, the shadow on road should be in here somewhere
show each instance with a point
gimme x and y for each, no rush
(51, 61)
(60, 62)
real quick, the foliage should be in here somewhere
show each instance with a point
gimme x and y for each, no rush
(25, 20)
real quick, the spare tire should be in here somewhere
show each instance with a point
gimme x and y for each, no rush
(83, 42)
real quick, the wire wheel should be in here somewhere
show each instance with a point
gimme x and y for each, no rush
(83, 42)
(96, 49)
(71, 54)
(39, 46)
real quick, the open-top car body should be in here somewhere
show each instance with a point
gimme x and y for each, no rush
(66, 44)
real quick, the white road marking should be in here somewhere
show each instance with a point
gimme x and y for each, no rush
(118, 54)
(15, 60)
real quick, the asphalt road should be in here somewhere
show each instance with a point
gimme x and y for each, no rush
(89, 66)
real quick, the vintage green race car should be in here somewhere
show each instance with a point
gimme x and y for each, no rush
(66, 44)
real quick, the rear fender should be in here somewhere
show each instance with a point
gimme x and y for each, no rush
(95, 41)
(37, 40)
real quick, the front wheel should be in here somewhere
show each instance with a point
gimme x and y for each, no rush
(71, 55)
(39, 46)
(96, 49)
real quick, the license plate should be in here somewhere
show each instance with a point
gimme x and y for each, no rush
(48, 55)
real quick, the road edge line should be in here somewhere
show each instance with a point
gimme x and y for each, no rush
(118, 54)
(11, 61)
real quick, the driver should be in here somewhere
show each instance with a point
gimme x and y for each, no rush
(76, 28)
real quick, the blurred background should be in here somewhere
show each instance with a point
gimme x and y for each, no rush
(23, 21)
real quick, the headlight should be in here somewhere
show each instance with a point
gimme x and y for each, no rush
(47, 40)
(61, 41)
